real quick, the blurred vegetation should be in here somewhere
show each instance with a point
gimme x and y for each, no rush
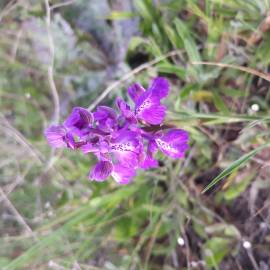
(53, 217)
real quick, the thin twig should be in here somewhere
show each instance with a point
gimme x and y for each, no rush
(19, 179)
(252, 259)
(18, 216)
(21, 139)
(8, 8)
(40, 158)
(129, 75)
(51, 65)
(67, 3)
(245, 69)
(152, 243)
(186, 241)
(16, 44)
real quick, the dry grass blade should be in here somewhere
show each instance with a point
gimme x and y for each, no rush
(18, 216)
(67, 3)
(51, 65)
(245, 69)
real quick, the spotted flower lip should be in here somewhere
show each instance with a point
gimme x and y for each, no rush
(125, 148)
(174, 143)
(126, 140)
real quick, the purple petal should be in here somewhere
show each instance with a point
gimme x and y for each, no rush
(135, 91)
(70, 141)
(128, 136)
(78, 120)
(104, 112)
(160, 87)
(178, 135)
(144, 101)
(149, 161)
(79, 117)
(152, 147)
(149, 109)
(174, 143)
(86, 117)
(153, 115)
(126, 147)
(123, 175)
(126, 111)
(89, 148)
(130, 159)
(106, 118)
(101, 171)
(55, 136)
(94, 147)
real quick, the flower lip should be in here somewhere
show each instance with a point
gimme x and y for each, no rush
(174, 143)
(125, 148)
(123, 175)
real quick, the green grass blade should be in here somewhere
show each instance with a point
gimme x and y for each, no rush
(234, 166)
(189, 43)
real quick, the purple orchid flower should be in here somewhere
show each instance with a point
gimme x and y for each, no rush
(125, 142)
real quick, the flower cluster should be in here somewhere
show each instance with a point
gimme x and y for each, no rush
(126, 141)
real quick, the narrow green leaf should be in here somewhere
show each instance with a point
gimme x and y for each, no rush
(172, 69)
(189, 43)
(172, 36)
(144, 11)
(232, 92)
(235, 165)
(135, 42)
(187, 89)
(219, 103)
